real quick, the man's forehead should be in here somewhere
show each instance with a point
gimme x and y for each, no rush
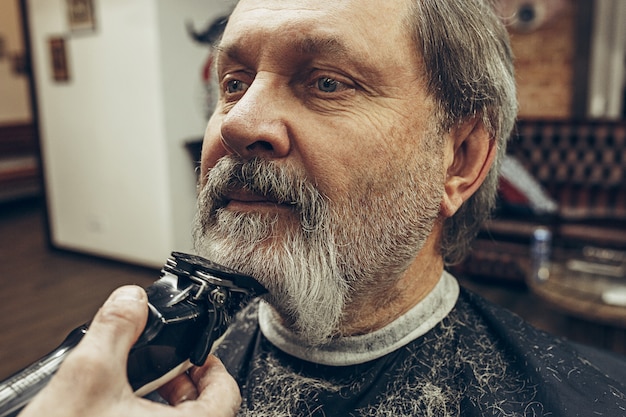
(331, 5)
(322, 26)
(368, 15)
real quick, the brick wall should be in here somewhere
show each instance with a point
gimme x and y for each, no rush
(545, 67)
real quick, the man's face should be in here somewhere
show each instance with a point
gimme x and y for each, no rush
(322, 170)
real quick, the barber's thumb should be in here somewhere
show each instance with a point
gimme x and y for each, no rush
(119, 322)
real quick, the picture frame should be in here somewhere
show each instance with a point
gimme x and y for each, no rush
(81, 15)
(58, 59)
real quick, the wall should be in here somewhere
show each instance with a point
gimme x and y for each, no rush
(544, 63)
(14, 95)
(184, 110)
(118, 179)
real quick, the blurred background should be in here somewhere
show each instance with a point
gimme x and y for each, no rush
(103, 104)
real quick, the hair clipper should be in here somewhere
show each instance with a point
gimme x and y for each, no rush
(190, 307)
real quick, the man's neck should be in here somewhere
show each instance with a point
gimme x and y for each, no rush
(352, 350)
(382, 305)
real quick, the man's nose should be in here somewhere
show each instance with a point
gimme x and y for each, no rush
(257, 124)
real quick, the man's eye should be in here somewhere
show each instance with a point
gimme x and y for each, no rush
(328, 85)
(236, 86)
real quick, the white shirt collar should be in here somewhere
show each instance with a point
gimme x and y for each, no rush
(352, 350)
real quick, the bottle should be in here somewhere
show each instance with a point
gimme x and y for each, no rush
(540, 253)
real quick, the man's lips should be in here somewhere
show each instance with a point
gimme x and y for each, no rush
(247, 199)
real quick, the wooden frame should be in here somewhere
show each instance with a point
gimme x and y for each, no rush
(58, 59)
(81, 15)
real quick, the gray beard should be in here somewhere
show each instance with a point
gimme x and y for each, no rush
(317, 261)
(294, 259)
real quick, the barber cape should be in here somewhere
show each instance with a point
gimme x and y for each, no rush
(453, 354)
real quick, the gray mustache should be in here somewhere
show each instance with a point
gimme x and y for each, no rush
(255, 175)
(266, 178)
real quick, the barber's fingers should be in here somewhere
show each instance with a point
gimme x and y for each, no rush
(102, 354)
(205, 391)
(92, 378)
(179, 389)
(219, 394)
(118, 323)
(187, 386)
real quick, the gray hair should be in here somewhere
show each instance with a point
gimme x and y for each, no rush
(469, 69)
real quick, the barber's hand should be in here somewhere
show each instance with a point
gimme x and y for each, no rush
(92, 380)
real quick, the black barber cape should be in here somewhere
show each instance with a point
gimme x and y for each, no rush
(454, 354)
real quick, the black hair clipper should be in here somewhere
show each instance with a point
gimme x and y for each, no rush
(190, 307)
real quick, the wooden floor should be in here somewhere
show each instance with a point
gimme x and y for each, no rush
(45, 293)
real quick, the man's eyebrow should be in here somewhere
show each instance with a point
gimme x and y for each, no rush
(301, 45)
(308, 47)
(320, 46)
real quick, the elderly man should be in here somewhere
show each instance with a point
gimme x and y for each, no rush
(353, 153)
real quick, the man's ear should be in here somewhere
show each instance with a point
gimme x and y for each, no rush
(470, 152)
